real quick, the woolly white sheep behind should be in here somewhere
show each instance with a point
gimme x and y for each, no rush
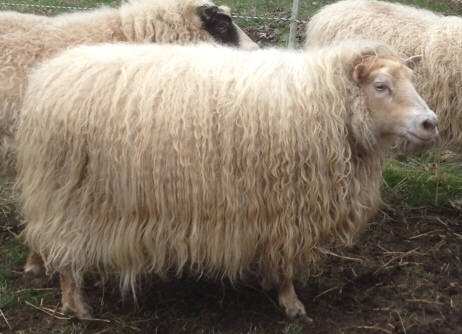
(11, 21)
(410, 31)
(215, 161)
(173, 21)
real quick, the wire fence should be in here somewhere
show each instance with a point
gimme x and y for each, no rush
(77, 8)
(293, 20)
(69, 8)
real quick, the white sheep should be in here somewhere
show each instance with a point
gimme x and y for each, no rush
(173, 21)
(11, 21)
(218, 161)
(410, 31)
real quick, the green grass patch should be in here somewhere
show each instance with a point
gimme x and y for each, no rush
(277, 8)
(293, 328)
(12, 255)
(448, 7)
(35, 296)
(423, 181)
(12, 258)
(6, 201)
(7, 299)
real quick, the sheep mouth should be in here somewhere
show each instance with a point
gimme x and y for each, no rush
(419, 138)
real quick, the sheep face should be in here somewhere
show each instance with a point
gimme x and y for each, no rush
(218, 23)
(396, 108)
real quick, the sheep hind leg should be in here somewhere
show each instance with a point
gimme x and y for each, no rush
(34, 264)
(289, 301)
(72, 297)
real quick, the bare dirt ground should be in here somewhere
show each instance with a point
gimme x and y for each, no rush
(403, 276)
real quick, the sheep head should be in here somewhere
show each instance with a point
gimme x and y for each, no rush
(218, 23)
(396, 108)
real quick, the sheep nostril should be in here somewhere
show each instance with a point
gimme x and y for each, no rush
(429, 125)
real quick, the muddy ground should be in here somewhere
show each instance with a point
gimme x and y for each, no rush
(403, 276)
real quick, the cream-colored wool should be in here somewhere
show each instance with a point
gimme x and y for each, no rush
(410, 31)
(173, 21)
(149, 158)
(11, 21)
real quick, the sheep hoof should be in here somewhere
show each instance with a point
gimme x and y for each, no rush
(82, 311)
(292, 305)
(295, 310)
(34, 264)
(306, 319)
(33, 269)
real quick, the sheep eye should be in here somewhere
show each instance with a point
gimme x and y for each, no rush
(222, 26)
(380, 87)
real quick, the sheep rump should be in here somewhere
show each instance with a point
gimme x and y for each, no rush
(410, 31)
(173, 21)
(223, 162)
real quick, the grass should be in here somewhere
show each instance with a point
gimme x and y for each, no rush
(6, 296)
(12, 255)
(293, 328)
(449, 7)
(421, 180)
(6, 202)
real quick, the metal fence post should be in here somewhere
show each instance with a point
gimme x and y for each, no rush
(293, 24)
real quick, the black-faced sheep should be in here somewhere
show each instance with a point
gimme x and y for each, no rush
(173, 21)
(410, 31)
(218, 161)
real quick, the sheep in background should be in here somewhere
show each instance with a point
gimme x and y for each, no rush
(173, 21)
(410, 31)
(218, 161)
(11, 21)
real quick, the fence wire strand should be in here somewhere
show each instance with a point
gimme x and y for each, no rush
(10, 4)
(263, 18)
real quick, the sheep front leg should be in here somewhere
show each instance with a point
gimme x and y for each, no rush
(34, 263)
(72, 297)
(289, 301)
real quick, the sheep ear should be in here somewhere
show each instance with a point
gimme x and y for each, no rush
(413, 61)
(207, 12)
(360, 73)
(225, 10)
